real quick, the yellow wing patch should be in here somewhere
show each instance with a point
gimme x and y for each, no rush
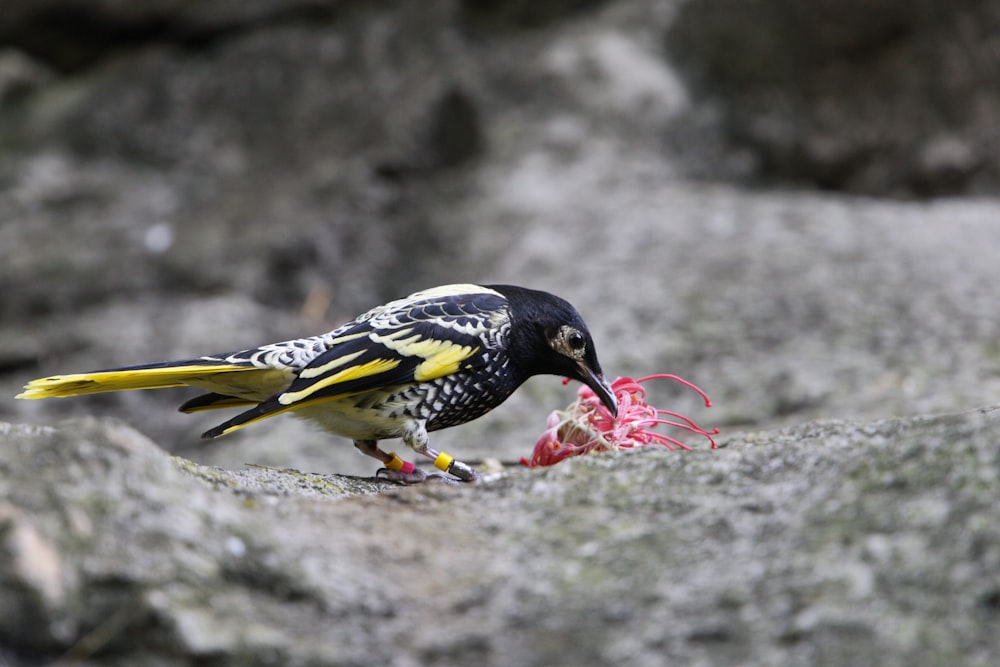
(441, 358)
(347, 337)
(312, 372)
(77, 384)
(373, 367)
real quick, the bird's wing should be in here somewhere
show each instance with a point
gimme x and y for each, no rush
(418, 339)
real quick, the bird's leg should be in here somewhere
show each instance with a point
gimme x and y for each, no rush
(396, 469)
(415, 435)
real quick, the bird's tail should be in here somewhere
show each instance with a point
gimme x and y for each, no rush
(194, 372)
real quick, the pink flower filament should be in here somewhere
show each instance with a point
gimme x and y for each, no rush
(588, 426)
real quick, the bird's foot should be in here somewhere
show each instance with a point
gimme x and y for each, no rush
(449, 464)
(417, 476)
(412, 476)
(463, 471)
(403, 472)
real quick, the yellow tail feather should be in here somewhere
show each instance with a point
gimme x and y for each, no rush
(77, 384)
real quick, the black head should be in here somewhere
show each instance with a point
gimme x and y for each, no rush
(548, 337)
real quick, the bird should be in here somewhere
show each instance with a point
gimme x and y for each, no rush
(437, 358)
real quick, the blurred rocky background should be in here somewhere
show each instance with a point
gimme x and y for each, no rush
(791, 203)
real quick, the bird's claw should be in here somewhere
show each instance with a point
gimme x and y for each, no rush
(415, 476)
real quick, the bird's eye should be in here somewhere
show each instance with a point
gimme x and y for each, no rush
(569, 341)
(574, 342)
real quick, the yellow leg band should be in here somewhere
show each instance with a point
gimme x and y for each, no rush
(395, 464)
(443, 461)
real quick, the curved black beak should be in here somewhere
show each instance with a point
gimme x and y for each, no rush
(600, 386)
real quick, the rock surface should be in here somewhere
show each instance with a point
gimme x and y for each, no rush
(184, 178)
(832, 543)
(870, 96)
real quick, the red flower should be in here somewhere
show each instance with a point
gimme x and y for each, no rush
(587, 425)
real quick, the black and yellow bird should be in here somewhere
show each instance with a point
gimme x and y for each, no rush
(437, 358)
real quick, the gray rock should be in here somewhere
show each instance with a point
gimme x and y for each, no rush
(869, 96)
(244, 167)
(189, 178)
(184, 203)
(830, 543)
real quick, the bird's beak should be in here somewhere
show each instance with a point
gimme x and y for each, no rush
(600, 386)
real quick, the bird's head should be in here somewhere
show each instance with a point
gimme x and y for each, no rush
(548, 337)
